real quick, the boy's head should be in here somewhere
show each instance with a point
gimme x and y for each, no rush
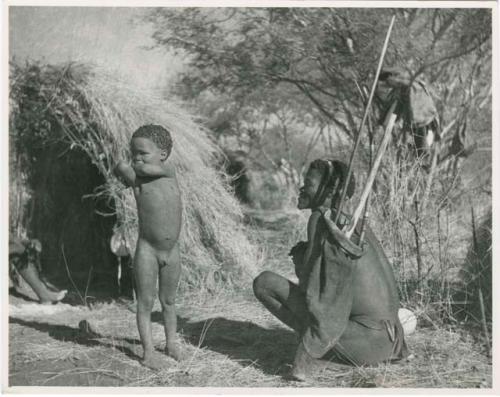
(157, 134)
(150, 144)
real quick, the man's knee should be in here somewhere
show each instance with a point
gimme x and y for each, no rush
(261, 283)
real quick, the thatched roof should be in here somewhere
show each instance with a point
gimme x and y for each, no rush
(96, 111)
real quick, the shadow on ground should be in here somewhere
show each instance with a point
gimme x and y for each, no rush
(65, 333)
(245, 342)
(242, 341)
(15, 293)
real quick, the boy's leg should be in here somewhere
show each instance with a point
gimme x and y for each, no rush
(170, 270)
(283, 299)
(146, 274)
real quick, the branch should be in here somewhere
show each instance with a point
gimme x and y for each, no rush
(457, 54)
(307, 82)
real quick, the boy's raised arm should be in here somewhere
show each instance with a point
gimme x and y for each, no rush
(125, 173)
(150, 170)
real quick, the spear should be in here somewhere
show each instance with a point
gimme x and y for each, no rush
(367, 109)
(343, 236)
(371, 177)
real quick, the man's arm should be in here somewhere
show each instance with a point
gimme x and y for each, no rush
(312, 242)
(149, 170)
(329, 294)
(125, 173)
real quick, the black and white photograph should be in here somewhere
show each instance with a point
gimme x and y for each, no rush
(249, 196)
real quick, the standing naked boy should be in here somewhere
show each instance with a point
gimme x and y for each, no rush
(159, 210)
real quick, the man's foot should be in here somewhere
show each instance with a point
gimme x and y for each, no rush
(303, 364)
(52, 297)
(154, 362)
(298, 374)
(173, 350)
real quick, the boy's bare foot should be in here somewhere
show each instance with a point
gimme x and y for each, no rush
(132, 306)
(53, 297)
(153, 361)
(173, 350)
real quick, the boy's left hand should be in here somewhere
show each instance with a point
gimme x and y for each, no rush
(125, 173)
(153, 170)
(138, 168)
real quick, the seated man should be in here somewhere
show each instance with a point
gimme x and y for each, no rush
(344, 307)
(24, 259)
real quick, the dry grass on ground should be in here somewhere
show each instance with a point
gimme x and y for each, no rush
(230, 342)
(229, 339)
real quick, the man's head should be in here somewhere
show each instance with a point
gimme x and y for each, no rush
(324, 180)
(151, 144)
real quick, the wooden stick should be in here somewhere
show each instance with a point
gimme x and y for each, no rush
(480, 291)
(373, 172)
(483, 320)
(367, 109)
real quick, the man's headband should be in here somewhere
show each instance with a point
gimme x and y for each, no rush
(322, 191)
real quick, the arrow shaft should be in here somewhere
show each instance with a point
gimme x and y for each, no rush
(363, 120)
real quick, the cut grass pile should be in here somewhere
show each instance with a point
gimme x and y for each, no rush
(79, 108)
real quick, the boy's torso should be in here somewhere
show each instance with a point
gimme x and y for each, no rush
(159, 209)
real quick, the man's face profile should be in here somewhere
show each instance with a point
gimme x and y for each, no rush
(307, 192)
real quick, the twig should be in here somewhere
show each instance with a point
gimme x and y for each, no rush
(483, 318)
(69, 275)
(479, 292)
(416, 227)
(430, 178)
(88, 284)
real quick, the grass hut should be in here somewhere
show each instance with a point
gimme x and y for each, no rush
(68, 125)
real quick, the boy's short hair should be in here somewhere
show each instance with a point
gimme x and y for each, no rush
(156, 133)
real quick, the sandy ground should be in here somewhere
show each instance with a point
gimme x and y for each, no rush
(229, 340)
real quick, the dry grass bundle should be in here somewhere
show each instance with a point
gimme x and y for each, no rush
(95, 111)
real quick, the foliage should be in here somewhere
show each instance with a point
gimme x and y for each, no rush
(311, 60)
(263, 75)
(280, 72)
